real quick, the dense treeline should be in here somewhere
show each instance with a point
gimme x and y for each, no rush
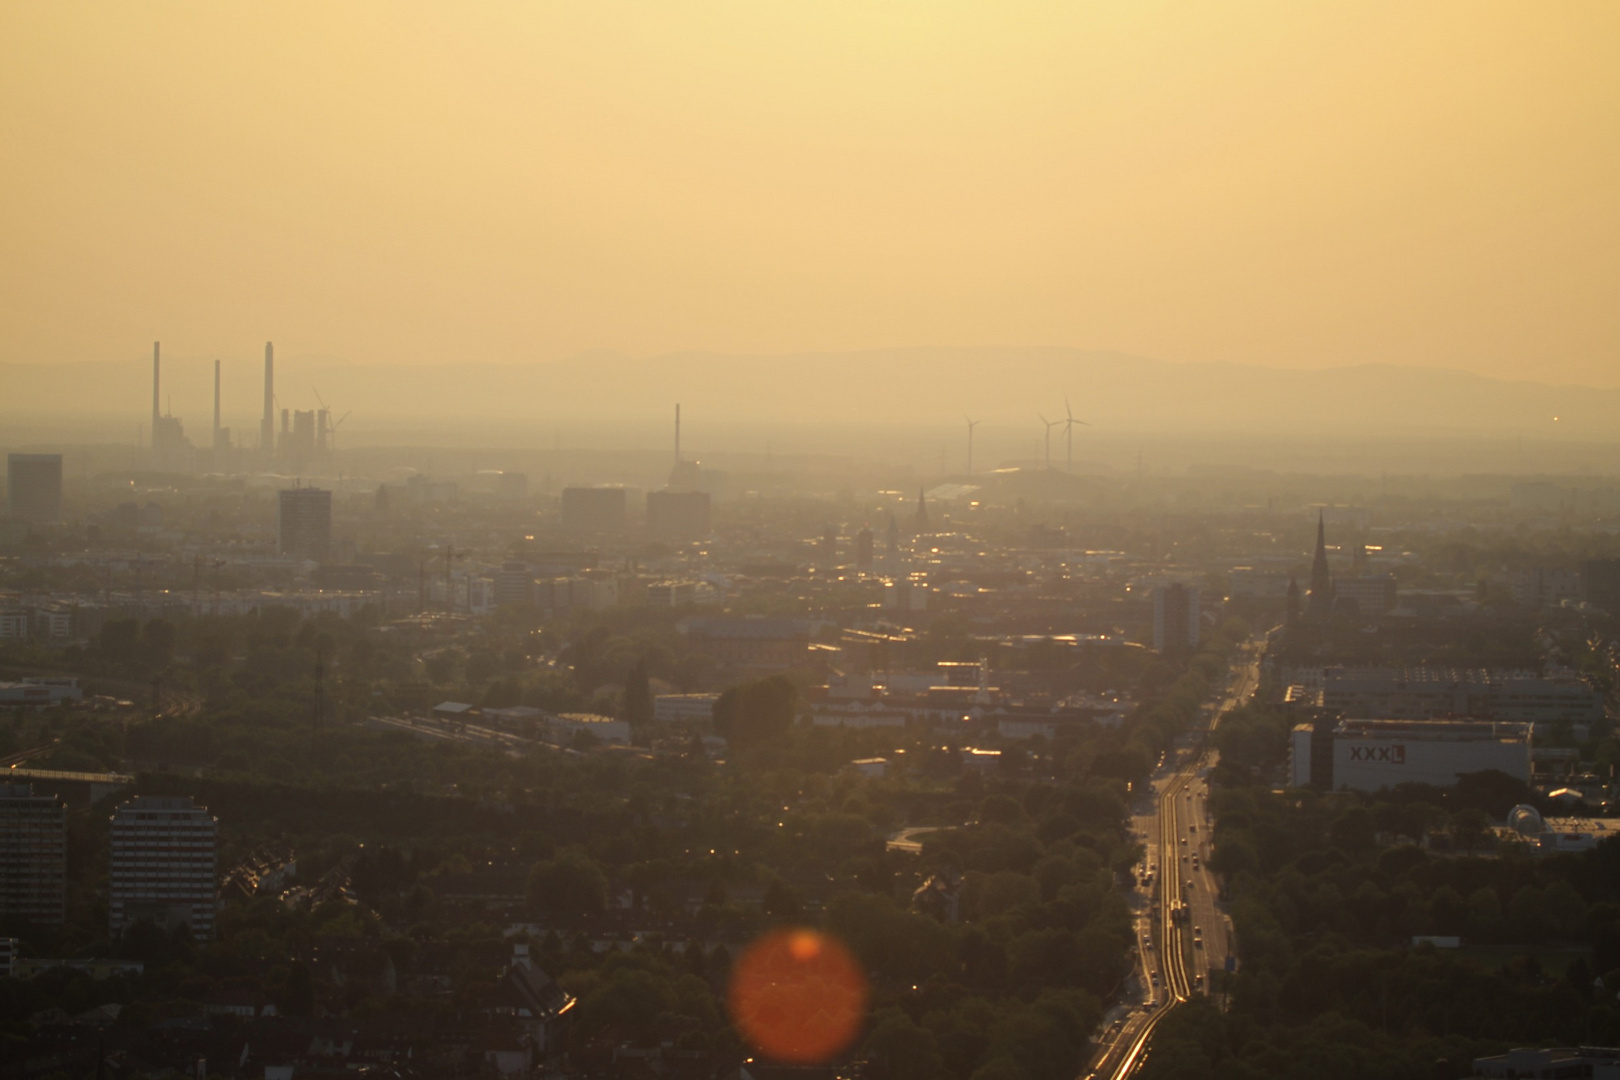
(992, 953)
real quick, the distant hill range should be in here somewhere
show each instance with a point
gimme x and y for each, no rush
(893, 387)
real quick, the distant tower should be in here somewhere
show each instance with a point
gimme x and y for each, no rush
(267, 426)
(1320, 599)
(685, 476)
(920, 522)
(168, 437)
(1320, 577)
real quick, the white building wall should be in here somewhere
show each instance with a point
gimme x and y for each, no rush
(1299, 756)
(1368, 763)
(669, 707)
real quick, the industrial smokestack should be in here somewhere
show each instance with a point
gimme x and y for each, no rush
(156, 411)
(267, 427)
(216, 404)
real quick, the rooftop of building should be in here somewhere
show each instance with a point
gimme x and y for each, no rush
(20, 775)
(1437, 730)
(586, 718)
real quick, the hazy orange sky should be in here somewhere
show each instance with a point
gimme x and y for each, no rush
(1295, 184)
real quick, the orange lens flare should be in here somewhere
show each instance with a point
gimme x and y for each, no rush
(798, 996)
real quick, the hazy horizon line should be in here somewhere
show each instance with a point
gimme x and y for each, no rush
(598, 354)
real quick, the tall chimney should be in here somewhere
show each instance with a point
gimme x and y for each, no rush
(216, 404)
(156, 411)
(267, 427)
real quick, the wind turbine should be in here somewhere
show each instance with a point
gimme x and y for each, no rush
(971, 423)
(1068, 431)
(1050, 424)
(331, 430)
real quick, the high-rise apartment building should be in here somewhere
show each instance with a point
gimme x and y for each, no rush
(163, 852)
(34, 488)
(1175, 619)
(33, 855)
(304, 522)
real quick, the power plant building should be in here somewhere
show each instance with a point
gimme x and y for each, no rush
(304, 522)
(171, 450)
(34, 488)
(1370, 755)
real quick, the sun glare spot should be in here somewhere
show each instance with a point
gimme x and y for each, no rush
(798, 996)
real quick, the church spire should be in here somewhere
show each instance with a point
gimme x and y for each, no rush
(921, 520)
(1320, 578)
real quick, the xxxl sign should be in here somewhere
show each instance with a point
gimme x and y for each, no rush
(1388, 755)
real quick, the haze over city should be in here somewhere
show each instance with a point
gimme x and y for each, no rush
(810, 541)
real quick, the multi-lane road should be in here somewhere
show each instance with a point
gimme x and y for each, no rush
(1182, 931)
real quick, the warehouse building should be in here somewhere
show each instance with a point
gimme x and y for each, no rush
(1368, 755)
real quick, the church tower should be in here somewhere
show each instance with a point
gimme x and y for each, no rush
(1320, 599)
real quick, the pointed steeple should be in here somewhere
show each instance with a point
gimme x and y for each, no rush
(1321, 580)
(920, 522)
